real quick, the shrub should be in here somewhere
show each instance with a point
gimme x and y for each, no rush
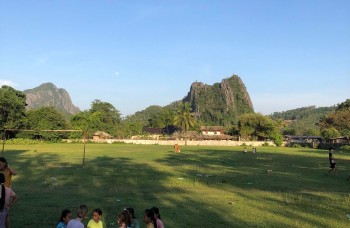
(265, 144)
(20, 141)
(296, 145)
(346, 148)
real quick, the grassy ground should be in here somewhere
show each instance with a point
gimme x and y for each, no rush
(200, 187)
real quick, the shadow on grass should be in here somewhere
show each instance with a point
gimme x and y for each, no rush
(46, 186)
(297, 176)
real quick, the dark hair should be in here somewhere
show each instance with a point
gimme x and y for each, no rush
(82, 211)
(98, 211)
(125, 217)
(2, 159)
(63, 215)
(330, 148)
(150, 214)
(156, 211)
(132, 212)
(3, 191)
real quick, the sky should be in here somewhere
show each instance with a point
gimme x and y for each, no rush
(133, 54)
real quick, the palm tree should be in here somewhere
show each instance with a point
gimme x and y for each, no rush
(184, 118)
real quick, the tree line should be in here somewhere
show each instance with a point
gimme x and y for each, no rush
(103, 116)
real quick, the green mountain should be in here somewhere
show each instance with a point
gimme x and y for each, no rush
(220, 103)
(48, 95)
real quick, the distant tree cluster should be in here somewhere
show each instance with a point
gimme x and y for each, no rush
(102, 116)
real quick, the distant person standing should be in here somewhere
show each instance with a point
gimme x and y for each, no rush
(177, 148)
(254, 150)
(245, 150)
(331, 161)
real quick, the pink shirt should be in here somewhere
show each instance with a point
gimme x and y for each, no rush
(160, 223)
(9, 194)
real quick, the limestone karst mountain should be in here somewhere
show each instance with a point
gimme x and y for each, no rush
(48, 95)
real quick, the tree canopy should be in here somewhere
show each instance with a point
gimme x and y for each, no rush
(12, 108)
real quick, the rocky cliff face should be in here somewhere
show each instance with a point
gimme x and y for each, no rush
(221, 103)
(48, 95)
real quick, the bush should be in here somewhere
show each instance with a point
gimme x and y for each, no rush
(265, 144)
(346, 148)
(20, 141)
(296, 145)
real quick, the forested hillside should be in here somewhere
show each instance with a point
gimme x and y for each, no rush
(303, 121)
(217, 104)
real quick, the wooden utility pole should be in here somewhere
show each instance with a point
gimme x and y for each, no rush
(84, 147)
(3, 142)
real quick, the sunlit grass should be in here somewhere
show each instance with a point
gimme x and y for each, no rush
(199, 187)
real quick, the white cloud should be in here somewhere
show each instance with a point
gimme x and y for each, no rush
(6, 82)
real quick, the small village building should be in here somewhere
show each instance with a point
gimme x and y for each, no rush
(212, 130)
(98, 135)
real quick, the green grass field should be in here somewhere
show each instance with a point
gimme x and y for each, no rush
(200, 187)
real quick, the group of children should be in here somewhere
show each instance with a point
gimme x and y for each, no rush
(253, 151)
(126, 218)
(7, 196)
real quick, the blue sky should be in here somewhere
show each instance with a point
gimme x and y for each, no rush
(134, 54)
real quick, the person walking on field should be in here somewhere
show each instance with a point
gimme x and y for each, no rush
(331, 161)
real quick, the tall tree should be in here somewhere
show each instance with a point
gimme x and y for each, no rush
(45, 118)
(256, 126)
(102, 116)
(338, 120)
(12, 107)
(184, 118)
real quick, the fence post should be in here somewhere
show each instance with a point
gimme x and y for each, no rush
(3, 142)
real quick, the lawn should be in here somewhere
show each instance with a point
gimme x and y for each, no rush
(199, 187)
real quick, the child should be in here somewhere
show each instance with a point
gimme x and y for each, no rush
(331, 161)
(7, 199)
(66, 215)
(159, 221)
(96, 222)
(125, 219)
(149, 219)
(7, 171)
(177, 148)
(76, 223)
(134, 222)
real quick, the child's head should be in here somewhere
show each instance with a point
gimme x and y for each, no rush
(148, 216)
(82, 211)
(124, 218)
(66, 215)
(3, 163)
(96, 214)
(156, 213)
(131, 211)
(330, 149)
